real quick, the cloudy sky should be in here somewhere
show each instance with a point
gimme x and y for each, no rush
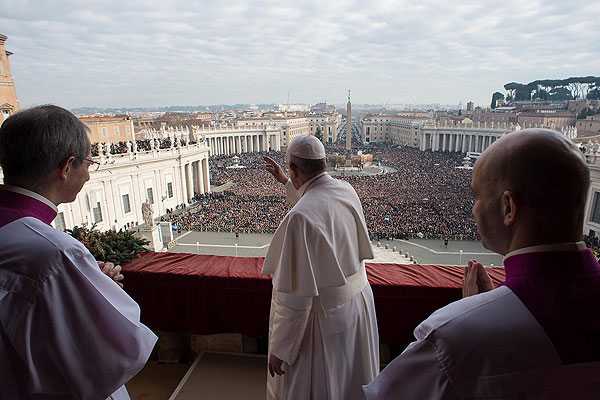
(147, 53)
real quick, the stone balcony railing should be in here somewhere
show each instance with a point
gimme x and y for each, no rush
(111, 160)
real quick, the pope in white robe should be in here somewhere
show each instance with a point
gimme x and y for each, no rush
(323, 326)
(67, 331)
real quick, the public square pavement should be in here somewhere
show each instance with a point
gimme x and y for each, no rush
(256, 245)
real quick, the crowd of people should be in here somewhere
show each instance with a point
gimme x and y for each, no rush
(426, 197)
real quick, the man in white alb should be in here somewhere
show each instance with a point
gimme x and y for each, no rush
(323, 339)
(67, 330)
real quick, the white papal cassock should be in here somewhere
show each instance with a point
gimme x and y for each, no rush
(67, 331)
(322, 321)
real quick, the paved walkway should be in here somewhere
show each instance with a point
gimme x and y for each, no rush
(256, 245)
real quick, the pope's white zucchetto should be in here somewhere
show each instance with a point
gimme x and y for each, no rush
(307, 147)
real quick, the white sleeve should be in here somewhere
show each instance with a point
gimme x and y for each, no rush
(414, 375)
(288, 322)
(291, 194)
(82, 334)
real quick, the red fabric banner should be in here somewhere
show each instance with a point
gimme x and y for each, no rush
(203, 294)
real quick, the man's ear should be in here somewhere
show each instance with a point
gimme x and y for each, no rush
(509, 208)
(65, 167)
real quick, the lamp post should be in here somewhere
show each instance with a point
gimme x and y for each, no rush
(460, 253)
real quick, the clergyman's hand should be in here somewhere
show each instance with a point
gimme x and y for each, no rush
(112, 271)
(476, 279)
(275, 170)
(275, 366)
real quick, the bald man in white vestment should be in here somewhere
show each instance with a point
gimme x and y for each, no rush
(538, 335)
(67, 330)
(323, 338)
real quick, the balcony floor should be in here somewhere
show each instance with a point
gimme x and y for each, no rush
(212, 376)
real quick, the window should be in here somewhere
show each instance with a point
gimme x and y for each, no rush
(149, 195)
(596, 208)
(126, 204)
(170, 190)
(97, 212)
(59, 222)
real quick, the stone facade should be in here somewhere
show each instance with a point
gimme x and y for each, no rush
(113, 197)
(229, 141)
(329, 124)
(551, 120)
(589, 126)
(109, 129)
(290, 125)
(8, 94)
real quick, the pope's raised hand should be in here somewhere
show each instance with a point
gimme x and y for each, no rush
(476, 279)
(275, 170)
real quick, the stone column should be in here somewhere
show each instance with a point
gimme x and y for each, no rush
(189, 182)
(205, 175)
(110, 205)
(199, 177)
(137, 199)
(278, 142)
(444, 141)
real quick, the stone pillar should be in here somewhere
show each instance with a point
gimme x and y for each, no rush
(189, 182)
(183, 181)
(205, 175)
(278, 142)
(199, 177)
(444, 142)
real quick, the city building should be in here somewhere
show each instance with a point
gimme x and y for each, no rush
(398, 128)
(589, 126)
(349, 123)
(322, 108)
(290, 124)
(8, 94)
(328, 122)
(547, 119)
(237, 140)
(292, 107)
(109, 129)
(113, 197)
(592, 209)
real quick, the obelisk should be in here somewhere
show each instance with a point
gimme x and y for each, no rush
(349, 124)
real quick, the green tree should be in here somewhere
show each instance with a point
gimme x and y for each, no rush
(594, 94)
(497, 96)
(319, 134)
(116, 247)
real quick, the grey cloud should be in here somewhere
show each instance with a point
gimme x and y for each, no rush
(180, 52)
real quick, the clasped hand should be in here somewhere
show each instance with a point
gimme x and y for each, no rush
(476, 279)
(112, 271)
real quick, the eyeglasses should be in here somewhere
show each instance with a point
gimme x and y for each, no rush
(93, 165)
